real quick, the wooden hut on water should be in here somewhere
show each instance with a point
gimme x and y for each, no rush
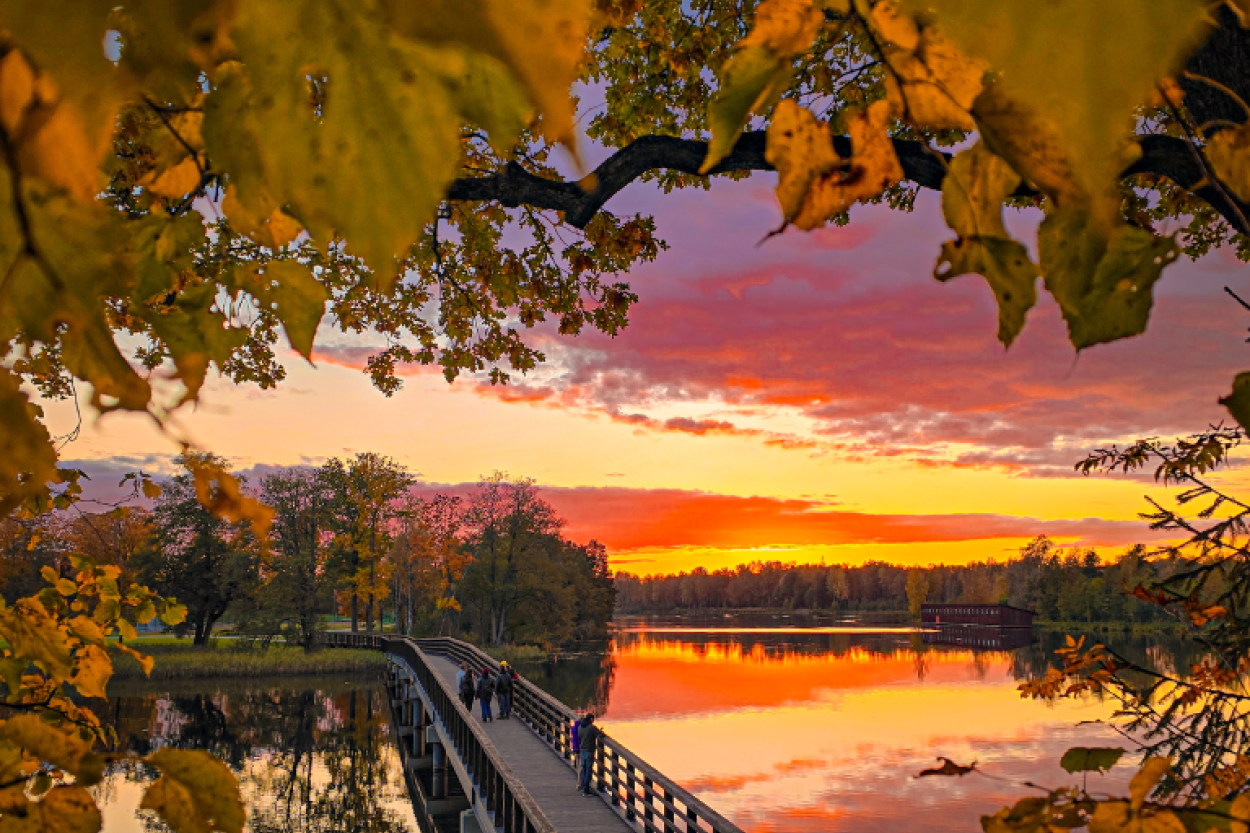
(982, 615)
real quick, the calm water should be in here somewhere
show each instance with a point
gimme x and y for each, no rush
(781, 724)
(311, 755)
(808, 725)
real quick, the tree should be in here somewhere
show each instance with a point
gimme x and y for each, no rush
(204, 561)
(420, 146)
(509, 527)
(429, 561)
(369, 490)
(917, 591)
(298, 579)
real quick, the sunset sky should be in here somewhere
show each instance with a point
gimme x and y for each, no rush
(815, 396)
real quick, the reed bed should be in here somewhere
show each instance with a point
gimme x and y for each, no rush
(178, 659)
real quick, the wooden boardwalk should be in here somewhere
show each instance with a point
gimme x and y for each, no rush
(551, 782)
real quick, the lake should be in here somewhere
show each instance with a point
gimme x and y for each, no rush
(310, 754)
(781, 724)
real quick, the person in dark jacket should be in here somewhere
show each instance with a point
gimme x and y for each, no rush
(464, 683)
(588, 735)
(485, 691)
(503, 690)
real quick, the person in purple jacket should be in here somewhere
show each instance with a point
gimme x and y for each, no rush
(577, 759)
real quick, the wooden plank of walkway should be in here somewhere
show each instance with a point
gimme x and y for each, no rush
(551, 782)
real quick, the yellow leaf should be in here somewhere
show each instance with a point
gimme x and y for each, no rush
(759, 71)
(209, 783)
(898, 29)
(221, 493)
(1150, 774)
(274, 230)
(1110, 817)
(174, 804)
(1163, 821)
(63, 809)
(175, 182)
(17, 90)
(32, 633)
(813, 183)
(934, 85)
(66, 587)
(1229, 154)
(49, 575)
(66, 38)
(86, 630)
(146, 662)
(94, 670)
(53, 745)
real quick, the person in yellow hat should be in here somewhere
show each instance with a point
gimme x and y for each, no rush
(503, 690)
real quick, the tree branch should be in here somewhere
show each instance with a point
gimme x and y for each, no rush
(1166, 156)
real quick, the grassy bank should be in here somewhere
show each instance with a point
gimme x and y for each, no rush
(516, 653)
(179, 659)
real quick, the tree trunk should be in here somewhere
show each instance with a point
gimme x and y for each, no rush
(355, 598)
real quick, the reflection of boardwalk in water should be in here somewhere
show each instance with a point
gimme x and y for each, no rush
(972, 636)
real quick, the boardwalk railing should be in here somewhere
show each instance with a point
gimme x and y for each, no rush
(502, 794)
(636, 790)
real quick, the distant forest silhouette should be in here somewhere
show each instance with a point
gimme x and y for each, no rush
(1072, 585)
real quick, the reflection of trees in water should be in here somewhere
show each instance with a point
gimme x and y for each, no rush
(309, 759)
(586, 681)
(580, 682)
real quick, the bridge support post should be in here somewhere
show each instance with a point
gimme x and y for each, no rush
(439, 778)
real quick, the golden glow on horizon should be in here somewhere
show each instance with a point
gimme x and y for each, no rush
(453, 434)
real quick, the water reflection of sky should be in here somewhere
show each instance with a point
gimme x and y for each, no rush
(786, 731)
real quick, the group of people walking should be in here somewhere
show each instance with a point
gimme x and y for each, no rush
(488, 685)
(485, 687)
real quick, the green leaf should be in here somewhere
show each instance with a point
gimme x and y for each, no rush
(541, 43)
(27, 458)
(1238, 402)
(754, 78)
(173, 614)
(297, 297)
(976, 184)
(370, 165)
(1090, 759)
(751, 82)
(1006, 267)
(1070, 75)
(1102, 279)
(205, 782)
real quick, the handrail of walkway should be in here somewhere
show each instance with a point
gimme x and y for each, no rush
(502, 793)
(637, 791)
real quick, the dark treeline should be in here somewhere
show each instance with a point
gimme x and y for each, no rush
(346, 538)
(1075, 585)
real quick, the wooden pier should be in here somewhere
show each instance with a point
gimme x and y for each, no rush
(515, 776)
